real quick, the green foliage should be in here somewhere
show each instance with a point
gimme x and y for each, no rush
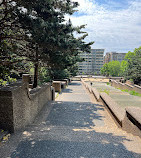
(59, 74)
(134, 66)
(8, 80)
(123, 67)
(39, 33)
(129, 55)
(135, 93)
(44, 75)
(3, 83)
(113, 68)
(11, 80)
(124, 90)
(105, 70)
(130, 92)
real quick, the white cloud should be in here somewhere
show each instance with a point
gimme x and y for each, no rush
(114, 30)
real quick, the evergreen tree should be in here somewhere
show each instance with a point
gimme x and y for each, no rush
(53, 39)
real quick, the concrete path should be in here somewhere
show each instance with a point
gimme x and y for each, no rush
(75, 126)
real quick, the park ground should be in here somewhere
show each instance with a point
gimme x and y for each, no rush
(74, 126)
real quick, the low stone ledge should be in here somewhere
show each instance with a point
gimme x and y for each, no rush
(96, 94)
(115, 110)
(57, 86)
(63, 80)
(126, 85)
(89, 88)
(129, 87)
(137, 88)
(135, 112)
(132, 120)
(129, 83)
(63, 85)
(76, 78)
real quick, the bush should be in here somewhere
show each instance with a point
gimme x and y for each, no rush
(8, 80)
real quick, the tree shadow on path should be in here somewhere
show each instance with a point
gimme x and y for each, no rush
(56, 138)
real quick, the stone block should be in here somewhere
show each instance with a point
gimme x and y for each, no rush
(57, 86)
(63, 85)
(117, 112)
(132, 121)
(129, 87)
(137, 88)
(130, 82)
(96, 94)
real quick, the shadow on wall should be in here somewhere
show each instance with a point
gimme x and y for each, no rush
(56, 138)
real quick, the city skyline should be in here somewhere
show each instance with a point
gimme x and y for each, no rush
(114, 26)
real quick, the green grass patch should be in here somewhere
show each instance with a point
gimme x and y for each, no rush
(124, 90)
(57, 95)
(105, 91)
(108, 83)
(130, 92)
(135, 93)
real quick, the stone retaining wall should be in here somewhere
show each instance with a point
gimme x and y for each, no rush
(129, 119)
(124, 86)
(19, 107)
(132, 121)
(113, 107)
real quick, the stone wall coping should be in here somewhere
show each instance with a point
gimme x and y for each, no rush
(11, 86)
(36, 91)
(121, 83)
(135, 112)
(96, 93)
(60, 80)
(56, 81)
(137, 86)
(39, 88)
(113, 106)
(7, 91)
(129, 85)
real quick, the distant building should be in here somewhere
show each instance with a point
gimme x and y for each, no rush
(93, 62)
(112, 56)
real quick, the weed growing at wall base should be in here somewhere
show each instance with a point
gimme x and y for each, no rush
(130, 92)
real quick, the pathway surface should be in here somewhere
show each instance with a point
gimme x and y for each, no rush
(75, 126)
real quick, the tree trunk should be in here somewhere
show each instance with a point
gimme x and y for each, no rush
(36, 70)
(35, 75)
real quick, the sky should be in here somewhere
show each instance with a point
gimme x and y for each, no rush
(114, 25)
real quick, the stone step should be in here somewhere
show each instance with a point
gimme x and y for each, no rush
(3, 134)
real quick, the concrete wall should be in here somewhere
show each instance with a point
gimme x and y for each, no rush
(137, 88)
(132, 121)
(129, 119)
(19, 107)
(125, 86)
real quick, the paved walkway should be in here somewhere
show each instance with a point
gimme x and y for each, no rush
(75, 126)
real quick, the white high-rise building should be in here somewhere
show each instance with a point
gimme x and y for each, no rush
(93, 62)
